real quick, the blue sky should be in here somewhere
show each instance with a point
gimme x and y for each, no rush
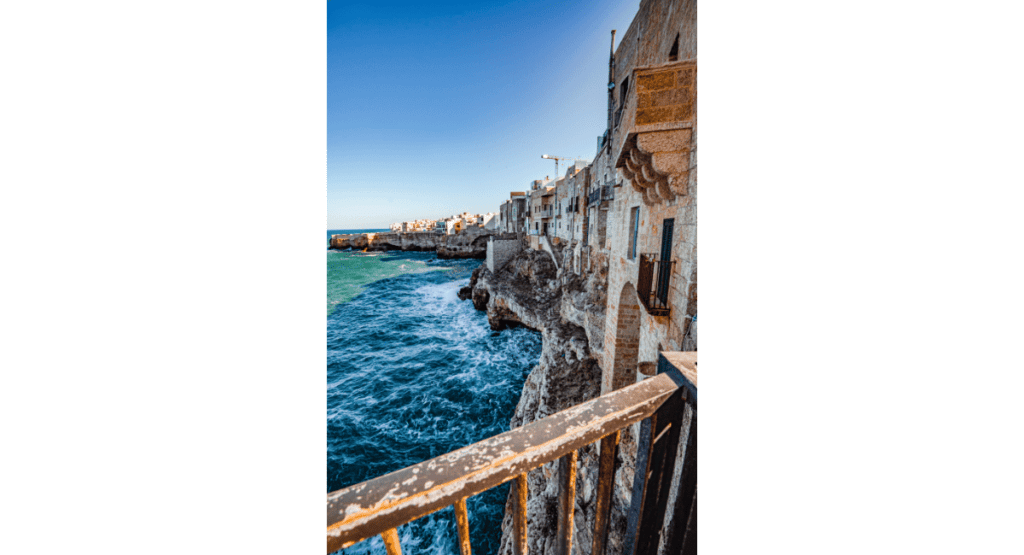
(435, 108)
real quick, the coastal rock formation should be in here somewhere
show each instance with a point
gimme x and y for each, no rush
(568, 310)
(583, 302)
(470, 243)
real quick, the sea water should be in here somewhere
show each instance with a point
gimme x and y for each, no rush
(413, 373)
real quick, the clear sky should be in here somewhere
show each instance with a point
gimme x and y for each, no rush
(435, 108)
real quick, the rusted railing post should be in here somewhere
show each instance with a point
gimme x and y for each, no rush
(657, 449)
(462, 523)
(519, 516)
(605, 485)
(566, 502)
(391, 542)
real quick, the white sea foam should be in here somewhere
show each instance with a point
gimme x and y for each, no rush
(415, 372)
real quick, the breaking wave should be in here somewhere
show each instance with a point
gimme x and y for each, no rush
(413, 373)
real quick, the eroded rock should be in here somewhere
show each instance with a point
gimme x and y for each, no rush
(470, 243)
(568, 310)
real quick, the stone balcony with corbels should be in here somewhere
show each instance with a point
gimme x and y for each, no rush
(655, 142)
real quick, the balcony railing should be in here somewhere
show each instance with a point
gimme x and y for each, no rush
(652, 284)
(602, 193)
(664, 492)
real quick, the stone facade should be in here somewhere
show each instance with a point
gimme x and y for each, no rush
(651, 149)
(549, 208)
(513, 214)
(569, 218)
(538, 197)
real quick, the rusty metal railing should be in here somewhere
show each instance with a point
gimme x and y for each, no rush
(664, 497)
(602, 193)
(652, 284)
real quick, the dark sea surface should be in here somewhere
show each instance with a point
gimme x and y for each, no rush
(413, 373)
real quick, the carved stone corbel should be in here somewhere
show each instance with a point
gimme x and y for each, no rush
(656, 163)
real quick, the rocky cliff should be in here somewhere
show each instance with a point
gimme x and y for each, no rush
(470, 243)
(568, 310)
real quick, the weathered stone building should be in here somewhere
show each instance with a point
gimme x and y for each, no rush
(566, 192)
(549, 201)
(651, 237)
(539, 199)
(634, 207)
(449, 226)
(513, 213)
(576, 200)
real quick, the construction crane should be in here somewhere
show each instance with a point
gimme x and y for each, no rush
(557, 158)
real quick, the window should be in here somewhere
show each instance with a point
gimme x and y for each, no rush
(634, 226)
(673, 54)
(623, 93)
(665, 268)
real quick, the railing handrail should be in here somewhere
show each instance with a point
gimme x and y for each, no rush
(381, 504)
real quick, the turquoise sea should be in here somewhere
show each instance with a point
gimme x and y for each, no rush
(413, 373)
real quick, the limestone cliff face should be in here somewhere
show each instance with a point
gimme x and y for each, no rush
(568, 311)
(471, 243)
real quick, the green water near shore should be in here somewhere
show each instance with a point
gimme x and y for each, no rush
(349, 272)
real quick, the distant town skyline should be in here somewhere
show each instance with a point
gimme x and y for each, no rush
(442, 108)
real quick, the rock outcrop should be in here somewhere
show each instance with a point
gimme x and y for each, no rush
(470, 243)
(568, 310)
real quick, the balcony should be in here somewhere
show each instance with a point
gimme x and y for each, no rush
(654, 144)
(663, 511)
(652, 284)
(602, 193)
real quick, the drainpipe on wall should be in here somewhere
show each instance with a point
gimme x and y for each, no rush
(611, 85)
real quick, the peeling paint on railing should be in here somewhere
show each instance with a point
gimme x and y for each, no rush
(380, 504)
